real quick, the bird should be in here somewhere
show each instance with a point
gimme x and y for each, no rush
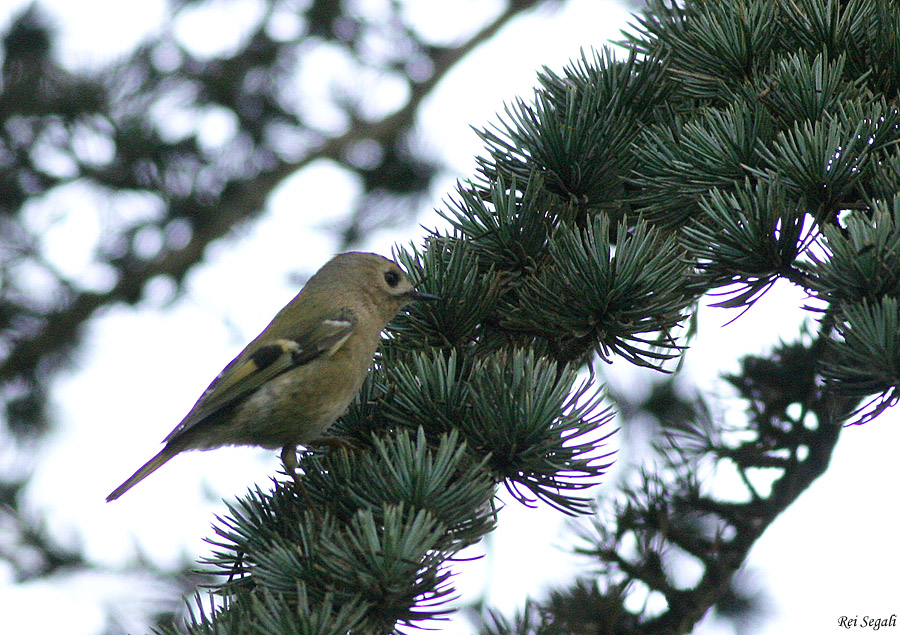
(302, 371)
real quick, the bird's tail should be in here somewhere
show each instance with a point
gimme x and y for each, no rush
(143, 472)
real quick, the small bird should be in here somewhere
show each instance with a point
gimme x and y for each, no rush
(301, 373)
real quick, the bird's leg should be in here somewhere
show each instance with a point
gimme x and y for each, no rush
(289, 459)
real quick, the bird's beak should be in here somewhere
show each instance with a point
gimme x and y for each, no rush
(421, 295)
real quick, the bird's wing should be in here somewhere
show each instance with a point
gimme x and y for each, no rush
(246, 374)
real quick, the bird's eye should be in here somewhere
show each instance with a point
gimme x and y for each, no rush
(392, 278)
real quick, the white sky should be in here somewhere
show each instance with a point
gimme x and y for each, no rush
(833, 553)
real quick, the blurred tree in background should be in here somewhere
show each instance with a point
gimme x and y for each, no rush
(122, 149)
(736, 143)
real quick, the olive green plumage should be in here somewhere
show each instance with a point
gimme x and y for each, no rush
(299, 375)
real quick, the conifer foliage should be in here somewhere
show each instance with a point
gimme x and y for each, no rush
(736, 143)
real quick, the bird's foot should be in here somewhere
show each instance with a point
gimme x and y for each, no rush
(289, 459)
(334, 443)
